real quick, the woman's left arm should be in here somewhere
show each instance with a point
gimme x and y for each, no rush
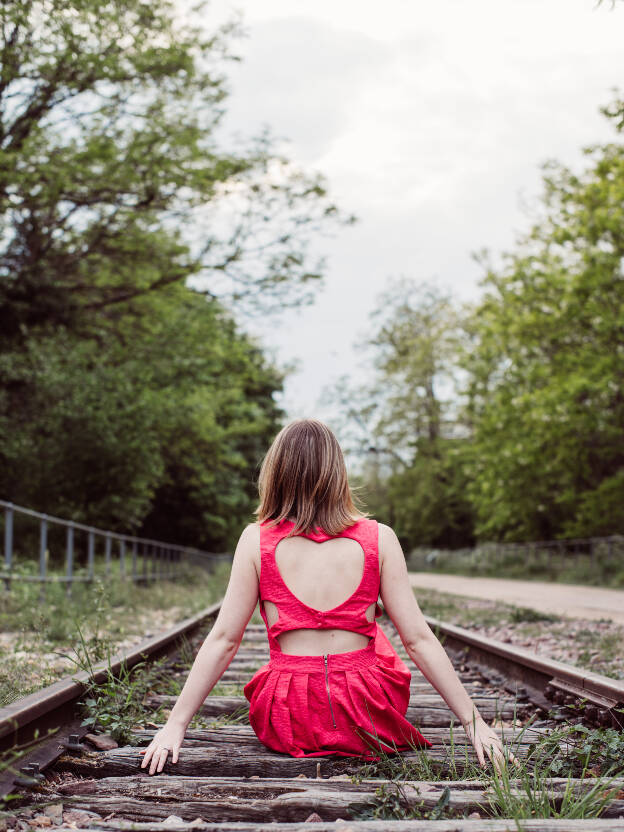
(426, 651)
(215, 654)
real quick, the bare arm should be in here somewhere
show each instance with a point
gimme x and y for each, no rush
(424, 649)
(216, 653)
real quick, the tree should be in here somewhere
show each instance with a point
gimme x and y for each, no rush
(546, 363)
(110, 170)
(128, 396)
(408, 417)
(160, 428)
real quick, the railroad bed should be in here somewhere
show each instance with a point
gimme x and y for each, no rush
(225, 779)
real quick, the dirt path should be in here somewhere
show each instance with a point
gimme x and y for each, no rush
(571, 600)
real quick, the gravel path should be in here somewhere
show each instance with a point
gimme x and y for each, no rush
(573, 600)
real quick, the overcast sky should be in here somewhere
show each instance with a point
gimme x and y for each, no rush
(430, 121)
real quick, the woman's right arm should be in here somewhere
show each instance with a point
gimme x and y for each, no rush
(425, 650)
(215, 654)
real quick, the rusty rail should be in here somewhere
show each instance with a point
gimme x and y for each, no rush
(212, 779)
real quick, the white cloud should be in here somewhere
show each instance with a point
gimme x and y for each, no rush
(430, 121)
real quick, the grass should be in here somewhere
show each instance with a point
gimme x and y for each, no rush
(455, 609)
(491, 560)
(118, 705)
(572, 751)
(36, 637)
(524, 791)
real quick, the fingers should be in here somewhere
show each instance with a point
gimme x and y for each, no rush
(159, 758)
(162, 760)
(148, 754)
(174, 753)
(156, 756)
(479, 749)
(496, 753)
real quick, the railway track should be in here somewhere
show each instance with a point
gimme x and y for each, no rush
(225, 779)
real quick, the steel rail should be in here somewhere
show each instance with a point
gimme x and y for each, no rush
(539, 678)
(52, 709)
(543, 679)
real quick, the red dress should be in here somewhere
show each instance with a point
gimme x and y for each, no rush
(346, 704)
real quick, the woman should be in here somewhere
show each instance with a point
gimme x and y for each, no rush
(333, 684)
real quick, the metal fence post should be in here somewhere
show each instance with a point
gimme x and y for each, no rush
(43, 548)
(107, 555)
(166, 560)
(90, 555)
(69, 561)
(8, 546)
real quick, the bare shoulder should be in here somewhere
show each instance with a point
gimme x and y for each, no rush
(389, 546)
(248, 546)
(250, 538)
(251, 533)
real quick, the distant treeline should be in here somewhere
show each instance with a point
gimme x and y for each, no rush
(128, 399)
(505, 420)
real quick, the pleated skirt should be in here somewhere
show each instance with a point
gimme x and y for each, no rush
(346, 704)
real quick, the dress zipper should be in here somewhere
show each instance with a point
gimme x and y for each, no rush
(331, 710)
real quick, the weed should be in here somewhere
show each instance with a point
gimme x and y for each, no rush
(531, 793)
(224, 689)
(390, 802)
(392, 765)
(572, 749)
(519, 614)
(186, 654)
(240, 716)
(116, 705)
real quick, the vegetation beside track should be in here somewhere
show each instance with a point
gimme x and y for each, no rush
(36, 638)
(488, 561)
(594, 645)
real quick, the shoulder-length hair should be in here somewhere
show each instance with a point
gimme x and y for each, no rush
(303, 477)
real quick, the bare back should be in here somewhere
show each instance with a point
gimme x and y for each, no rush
(319, 593)
(322, 576)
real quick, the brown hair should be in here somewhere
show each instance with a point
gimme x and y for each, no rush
(304, 476)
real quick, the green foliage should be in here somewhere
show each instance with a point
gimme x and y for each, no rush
(390, 802)
(159, 427)
(573, 751)
(545, 364)
(528, 561)
(504, 421)
(456, 763)
(110, 172)
(428, 498)
(115, 705)
(525, 790)
(527, 614)
(416, 482)
(129, 398)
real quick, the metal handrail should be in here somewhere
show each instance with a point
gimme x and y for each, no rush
(165, 558)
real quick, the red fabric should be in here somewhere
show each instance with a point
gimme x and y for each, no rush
(369, 689)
